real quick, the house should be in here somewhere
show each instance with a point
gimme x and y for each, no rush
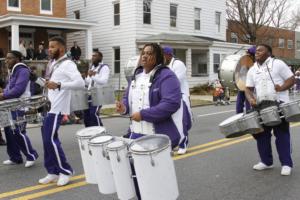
(35, 21)
(196, 29)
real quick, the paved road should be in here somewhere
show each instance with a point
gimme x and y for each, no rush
(213, 168)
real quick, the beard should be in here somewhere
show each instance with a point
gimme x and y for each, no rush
(55, 54)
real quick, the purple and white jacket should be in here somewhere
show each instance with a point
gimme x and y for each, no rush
(18, 84)
(165, 100)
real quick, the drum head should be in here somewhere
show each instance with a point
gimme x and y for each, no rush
(149, 144)
(90, 131)
(100, 139)
(231, 119)
(241, 71)
(116, 145)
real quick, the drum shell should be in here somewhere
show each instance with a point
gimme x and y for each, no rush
(86, 157)
(291, 111)
(120, 165)
(227, 70)
(102, 95)
(232, 129)
(6, 119)
(102, 166)
(79, 100)
(154, 168)
(270, 116)
(250, 123)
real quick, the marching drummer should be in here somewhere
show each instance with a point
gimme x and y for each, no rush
(271, 78)
(241, 101)
(98, 74)
(18, 86)
(64, 77)
(153, 99)
(179, 68)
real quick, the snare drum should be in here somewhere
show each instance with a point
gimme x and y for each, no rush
(154, 167)
(35, 101)
(105, 180)
(270, 116)
(79, 100)
(231, 127)
(291, 111)
(120, 164)
(102, 95)
(5, 118)
(83, 136)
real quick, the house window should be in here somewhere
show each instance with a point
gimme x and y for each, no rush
(77, 14)
(147, 11)
(281, 43)
(247, 38)
(46, 6)
(298, 45)
(290, 44)
(173, 15)
(233, 37)
(218, 21)
(197, 18)
(117, 14)
(217, 59)
(14, 5)
(199, 64)
(117, 57)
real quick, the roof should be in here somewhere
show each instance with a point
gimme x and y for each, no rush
(177, 39)
(43, 21)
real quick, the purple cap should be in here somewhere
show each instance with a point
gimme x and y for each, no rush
(252, 50)
(168, 50)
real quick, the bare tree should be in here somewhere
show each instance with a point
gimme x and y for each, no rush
(253, 16)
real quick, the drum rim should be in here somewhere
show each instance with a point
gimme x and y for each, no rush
(89, 136)
(100, 143)
(149, 152)
(268, 109)
(117, 148)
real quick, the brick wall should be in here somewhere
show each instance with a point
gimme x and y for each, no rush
(270, 36)
(32, 7)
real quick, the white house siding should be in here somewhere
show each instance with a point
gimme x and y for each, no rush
(106, 36)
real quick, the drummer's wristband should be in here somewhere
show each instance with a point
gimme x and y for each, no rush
(58, 85)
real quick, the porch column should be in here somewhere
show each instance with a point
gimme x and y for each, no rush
(188, 58)
(88, 44)
(15, 37)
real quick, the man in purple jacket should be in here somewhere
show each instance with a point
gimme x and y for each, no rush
(17, 86)
(153, 99)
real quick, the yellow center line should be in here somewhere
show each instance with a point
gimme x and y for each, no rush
(51, 191)
(32, 188)
(227, 142)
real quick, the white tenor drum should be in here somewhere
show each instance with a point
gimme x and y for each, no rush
(83, 136)
(102, 95)
(79, 100)
(233, 71)
(101, 162)
(120, 164)
(154, 167)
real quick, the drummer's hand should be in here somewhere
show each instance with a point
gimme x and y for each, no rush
(51, 85)
(1, 97)
(91, 73)
(136, 116)
(278, 88)
(253, 102)
(120, 107)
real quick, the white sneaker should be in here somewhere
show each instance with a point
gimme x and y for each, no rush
(181, 151)
(9, 162)
(63, 179)
(286, 170)
(261, 166)
(29, 163)
(48, 179)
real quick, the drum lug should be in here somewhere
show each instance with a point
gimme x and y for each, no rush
(118, 157)
(152, 161)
